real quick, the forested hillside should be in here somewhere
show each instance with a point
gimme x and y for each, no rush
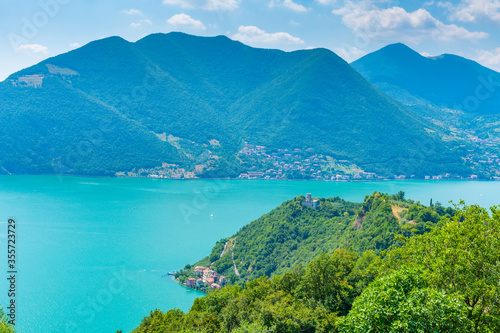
(459, 96)
(292, 235)
(445, 280)
(175, 104)
(445, 81)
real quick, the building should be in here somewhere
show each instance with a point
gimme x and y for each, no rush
(255, 174)
(309, 202)
(191, 282)
(215, 285)
(198, 270)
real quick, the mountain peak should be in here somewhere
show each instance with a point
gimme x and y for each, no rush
(180, 36)
(445, 80)
(398, 50)
(110, 41)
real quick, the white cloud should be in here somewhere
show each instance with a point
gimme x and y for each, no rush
(326, 2)
(289, 4)
(140, 24)
(473, 10)
(204, 4)
(365, 18)
(75, 45)
(425, 54)
(132, 11)
(489, 59)
(221, 4)
(33, 49)
(349, 53)
(181, 3)
(184, 20)
(252, 34)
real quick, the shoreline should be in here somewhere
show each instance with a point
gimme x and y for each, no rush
(253, 179)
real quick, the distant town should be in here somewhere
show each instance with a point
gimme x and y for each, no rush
(305, 164)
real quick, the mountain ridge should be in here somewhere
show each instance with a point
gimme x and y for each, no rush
(198, 89)
(292, 235)
(445, 80)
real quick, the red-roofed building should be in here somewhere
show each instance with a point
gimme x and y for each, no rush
(191, 282)
(198, 270)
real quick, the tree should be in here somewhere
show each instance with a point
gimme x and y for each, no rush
(400, 195)
(325, 280)
(461, 258)
(5, 327)
(403, 302)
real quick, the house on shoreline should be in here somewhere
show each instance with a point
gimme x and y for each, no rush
(191, 282)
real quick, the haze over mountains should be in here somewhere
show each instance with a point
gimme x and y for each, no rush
(186, 102)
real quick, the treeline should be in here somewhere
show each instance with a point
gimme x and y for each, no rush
(292, 235)
(445, 280)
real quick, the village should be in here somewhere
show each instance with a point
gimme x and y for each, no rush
(201, 278)
(298, 163)
(304, 164)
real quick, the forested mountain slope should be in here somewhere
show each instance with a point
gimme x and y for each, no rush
(188, 103)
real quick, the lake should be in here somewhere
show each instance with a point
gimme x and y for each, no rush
(92, 253)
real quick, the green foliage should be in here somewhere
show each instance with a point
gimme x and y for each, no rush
(446, 280)
(403, 302)
(292, 234)
(5, 327)
(302, 300)
(325, 280)
(462, 257)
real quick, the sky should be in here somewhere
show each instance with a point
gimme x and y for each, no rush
(31, 31)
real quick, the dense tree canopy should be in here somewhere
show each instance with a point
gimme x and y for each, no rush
(292, 234)
(445, 280)
(403, 302)
(462, 257)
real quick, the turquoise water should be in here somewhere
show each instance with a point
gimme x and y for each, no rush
(93, 252)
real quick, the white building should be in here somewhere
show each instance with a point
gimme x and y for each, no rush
(309, 202)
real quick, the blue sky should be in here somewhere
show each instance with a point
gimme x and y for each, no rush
(34, 30)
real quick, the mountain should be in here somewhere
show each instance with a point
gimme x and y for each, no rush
(292, 234)
(174, 104)
(445, 81)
